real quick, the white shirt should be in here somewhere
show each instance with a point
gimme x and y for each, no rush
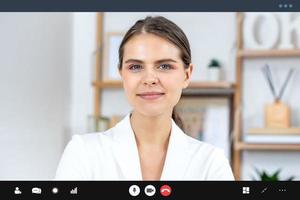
(113, 155)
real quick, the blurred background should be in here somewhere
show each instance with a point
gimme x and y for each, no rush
(50, 89)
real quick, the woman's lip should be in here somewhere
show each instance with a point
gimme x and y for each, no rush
(150, 95)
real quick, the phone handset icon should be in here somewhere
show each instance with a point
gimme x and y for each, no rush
(165, 190)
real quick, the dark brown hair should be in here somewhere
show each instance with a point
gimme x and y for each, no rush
(166, 29)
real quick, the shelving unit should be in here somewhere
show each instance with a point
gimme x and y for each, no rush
(238, 145)
(202, 84)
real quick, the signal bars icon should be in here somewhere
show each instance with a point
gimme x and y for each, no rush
(74, 191)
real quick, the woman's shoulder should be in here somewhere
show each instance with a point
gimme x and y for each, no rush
(94, 138)
(211, 158)
(202, 148)
(101, 139)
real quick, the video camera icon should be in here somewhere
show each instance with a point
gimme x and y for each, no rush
(150, 190)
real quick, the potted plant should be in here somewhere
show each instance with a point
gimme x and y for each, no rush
(214, 70)
(265, 176)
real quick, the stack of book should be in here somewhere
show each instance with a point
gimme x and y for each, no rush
(273, 135)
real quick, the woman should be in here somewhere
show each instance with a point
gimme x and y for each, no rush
(155, 65)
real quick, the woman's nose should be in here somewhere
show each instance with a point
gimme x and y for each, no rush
(150, 78)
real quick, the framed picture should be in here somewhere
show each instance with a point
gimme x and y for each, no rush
(97, 123)
(191, 113)
(206, 119)
(111, 56)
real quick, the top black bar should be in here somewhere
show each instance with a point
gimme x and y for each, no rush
(149, 5)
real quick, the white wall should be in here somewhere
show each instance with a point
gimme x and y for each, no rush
(35, 65)
(83, 59)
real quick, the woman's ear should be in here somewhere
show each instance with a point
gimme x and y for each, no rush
(188, 73)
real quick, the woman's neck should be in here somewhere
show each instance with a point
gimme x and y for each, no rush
(151, 131)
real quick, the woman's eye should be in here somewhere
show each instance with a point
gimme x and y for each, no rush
(135, 67)
(165, 66)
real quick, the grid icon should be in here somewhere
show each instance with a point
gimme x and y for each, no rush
(246, 190)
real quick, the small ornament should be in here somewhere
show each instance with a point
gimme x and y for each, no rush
(277, 114)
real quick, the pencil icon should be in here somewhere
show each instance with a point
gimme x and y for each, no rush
(265, 189)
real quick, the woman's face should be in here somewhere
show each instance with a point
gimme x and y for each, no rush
(153, 74)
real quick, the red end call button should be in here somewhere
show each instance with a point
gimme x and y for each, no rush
(165, 190)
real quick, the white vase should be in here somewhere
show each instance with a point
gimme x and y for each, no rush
(214, 74)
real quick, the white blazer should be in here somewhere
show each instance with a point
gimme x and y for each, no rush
(113, 155)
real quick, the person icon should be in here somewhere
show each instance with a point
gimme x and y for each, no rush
(17, 190)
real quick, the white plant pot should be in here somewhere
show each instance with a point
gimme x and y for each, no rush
(214, 74)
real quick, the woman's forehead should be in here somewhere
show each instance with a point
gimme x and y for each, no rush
(150, 46)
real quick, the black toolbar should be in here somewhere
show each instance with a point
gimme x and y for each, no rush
(147, 189)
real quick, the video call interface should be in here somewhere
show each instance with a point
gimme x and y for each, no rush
(132, 102)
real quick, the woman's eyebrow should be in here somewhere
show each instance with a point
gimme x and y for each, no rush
(156, 62)
(166, 60)
(133, 61)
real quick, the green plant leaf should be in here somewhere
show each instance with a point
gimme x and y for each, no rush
(264, 176)
(214, 63)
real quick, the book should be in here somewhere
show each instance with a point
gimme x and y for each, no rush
(269, 139)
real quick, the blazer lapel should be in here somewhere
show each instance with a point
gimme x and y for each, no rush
(127, 157)
(178, 157)
(125, 151)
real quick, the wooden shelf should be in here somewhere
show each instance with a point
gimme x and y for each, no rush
(274, 131)
(268, 53)
(271, 147)
(193, 85)
(210, 85)
(107, 84)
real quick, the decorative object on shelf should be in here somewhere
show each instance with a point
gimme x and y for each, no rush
(97, 124)
(111, 57)
(264, 31)
(266, 21)
(265, 176)
(273, 135)
(272, 139)
(214, 70)
(277, 114)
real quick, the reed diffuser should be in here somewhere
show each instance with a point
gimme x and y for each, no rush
(277, 114)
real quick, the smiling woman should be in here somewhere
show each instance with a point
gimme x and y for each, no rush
(152, 69)
(148, 144)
